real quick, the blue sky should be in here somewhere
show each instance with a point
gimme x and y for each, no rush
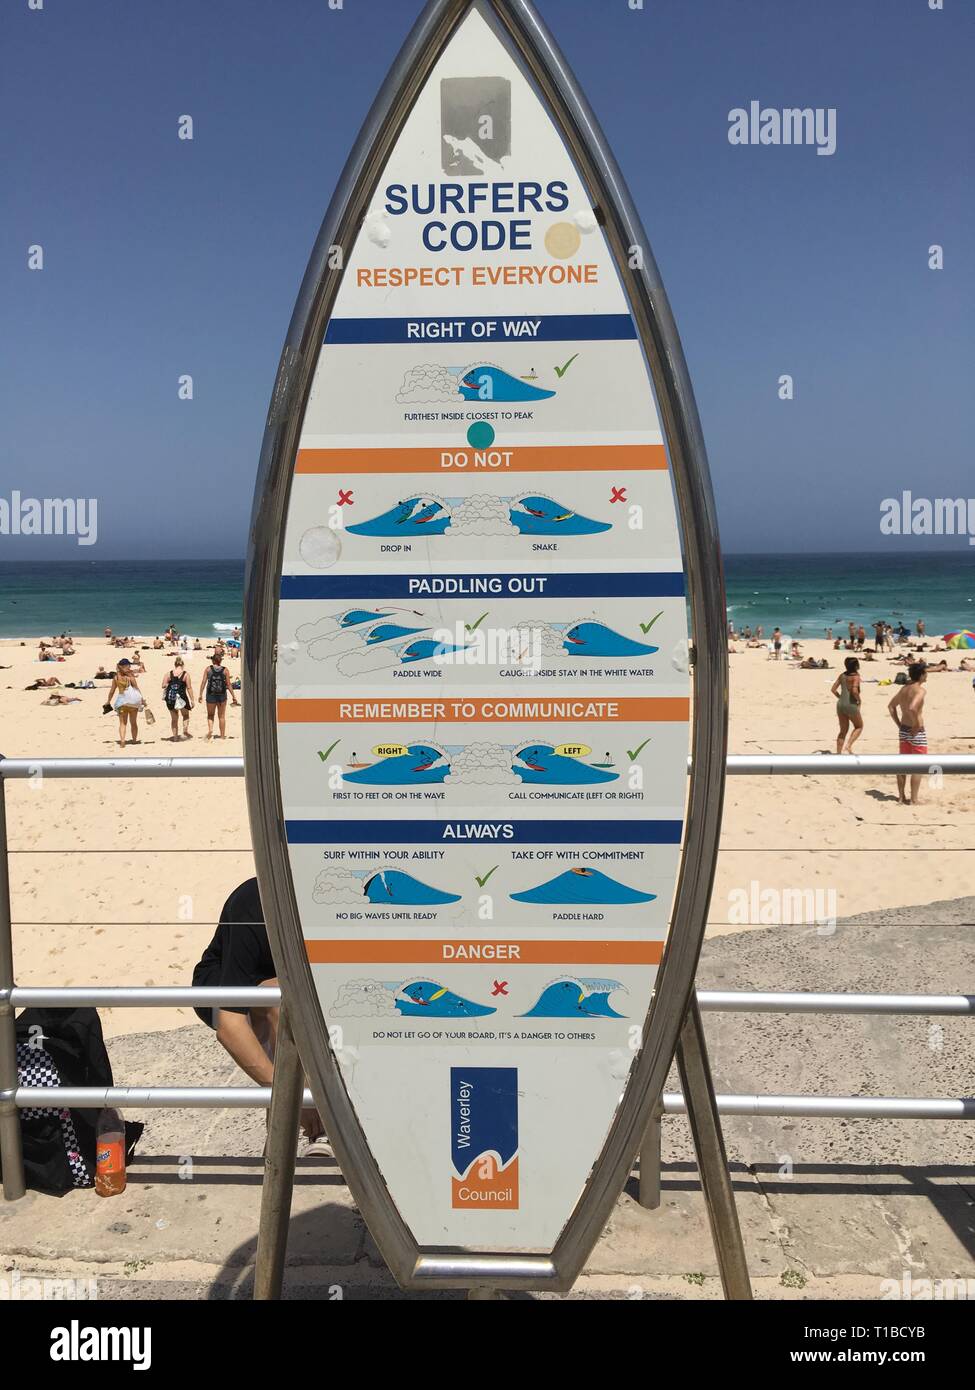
(165, 256)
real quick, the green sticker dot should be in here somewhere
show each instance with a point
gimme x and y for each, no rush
(480, 435)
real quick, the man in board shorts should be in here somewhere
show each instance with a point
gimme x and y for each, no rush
(907, 711)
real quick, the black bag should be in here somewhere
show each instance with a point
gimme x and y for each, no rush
(62, 1047)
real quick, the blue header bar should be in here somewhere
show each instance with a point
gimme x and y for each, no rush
(498, 328)
(665, 584)
(497, 831)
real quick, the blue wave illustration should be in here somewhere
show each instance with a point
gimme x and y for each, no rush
(393, 888)
(418, 764)
(355, 616)
(422, 650)
(540, 763)
(427, 999)
(388, 632)
(583, 887)
(572, 999)
(542, 516)
(487, 383)
(596, 639)
(414, 516)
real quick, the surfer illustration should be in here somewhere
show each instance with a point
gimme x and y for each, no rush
(485, 382)
(355, 616)
(543, 516)
(393, 888)
(596, 639)
(426, 647)
(414, 516)
(386, 632)
(540, 763)
(425, 998)
(575, 999)
(584, 887)
(419, 764)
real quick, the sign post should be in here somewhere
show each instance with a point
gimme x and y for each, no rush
(482, 516)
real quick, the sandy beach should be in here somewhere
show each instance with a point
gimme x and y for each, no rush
(118, 882)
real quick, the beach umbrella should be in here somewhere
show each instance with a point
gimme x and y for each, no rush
(960, 639)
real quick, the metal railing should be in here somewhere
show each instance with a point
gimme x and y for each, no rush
(14, 1097)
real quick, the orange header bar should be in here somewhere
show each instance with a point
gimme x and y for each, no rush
(510, 709)
(469, 952)
(561, 458)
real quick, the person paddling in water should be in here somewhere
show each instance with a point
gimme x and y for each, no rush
(216, 683)
(125, 697)
(178, 698)
(846, 691)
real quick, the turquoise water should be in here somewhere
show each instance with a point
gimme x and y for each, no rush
(140, 598)
(808, 593)
(797, 592)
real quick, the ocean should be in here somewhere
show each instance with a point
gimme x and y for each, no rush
(132, 597)
(802, 594)
(805, 594)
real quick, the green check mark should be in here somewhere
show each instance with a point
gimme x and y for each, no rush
(561, 371)
(634, 753)
(645, 627)
(472, 627)
(481, 881)
(324, 756)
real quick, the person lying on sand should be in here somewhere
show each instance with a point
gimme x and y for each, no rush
(42, 683)
(56, 699)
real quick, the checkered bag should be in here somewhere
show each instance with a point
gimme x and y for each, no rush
(36, 1067)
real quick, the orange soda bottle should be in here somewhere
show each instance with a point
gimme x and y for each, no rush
(110, 1154)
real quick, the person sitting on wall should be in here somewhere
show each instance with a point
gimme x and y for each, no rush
(240, 955)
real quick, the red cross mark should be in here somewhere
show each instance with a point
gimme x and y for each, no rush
(345, 498)
(619, 494)
(500, 987)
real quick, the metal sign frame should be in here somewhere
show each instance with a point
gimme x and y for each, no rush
(670, 1010)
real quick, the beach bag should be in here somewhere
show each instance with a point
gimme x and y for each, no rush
(128, 698)
(175, 696)
(62, 1047)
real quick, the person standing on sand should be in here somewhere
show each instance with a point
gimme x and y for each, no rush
(907, 711)
(777, 643)
(125, 698)
(920, 627)
(179, 700)
(216, 683)
(846, 690)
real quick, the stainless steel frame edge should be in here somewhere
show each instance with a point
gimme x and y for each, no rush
(411, 1266)
(702, 557)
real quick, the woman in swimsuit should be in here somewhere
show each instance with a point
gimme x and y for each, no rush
(216, 683)
(125, 697)
(846, 689)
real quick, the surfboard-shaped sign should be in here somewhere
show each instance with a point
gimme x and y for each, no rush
(467, 646)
